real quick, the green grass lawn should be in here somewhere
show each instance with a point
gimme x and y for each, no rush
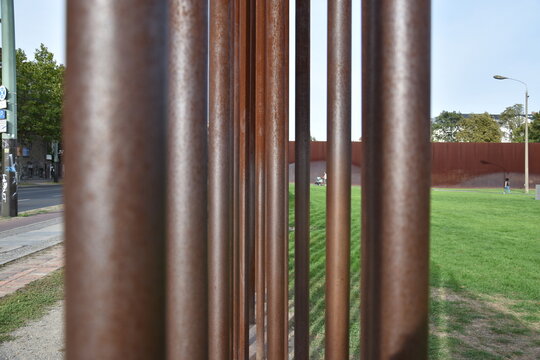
(485, 274)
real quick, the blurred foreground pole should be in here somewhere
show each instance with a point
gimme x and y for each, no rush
(396, 178)
(187, 258)
(9, 101)
(115, 201)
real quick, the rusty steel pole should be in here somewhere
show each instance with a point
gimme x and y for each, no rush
(220, 174)
(301, 187)
(236, 180)
(251, 165)
(276, 187)
(187, 266)
(286, 180)
(243, 175)
(115, 201)
(260, 56)
(396, 178)
(338, 195)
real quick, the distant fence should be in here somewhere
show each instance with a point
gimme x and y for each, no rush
(463, 164)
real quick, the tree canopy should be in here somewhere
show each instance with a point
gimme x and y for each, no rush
(445, 126)
(511, 120)
(39, 96)
(478, 128)
(534, 128)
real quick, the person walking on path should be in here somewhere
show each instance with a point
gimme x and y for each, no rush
(506, 186)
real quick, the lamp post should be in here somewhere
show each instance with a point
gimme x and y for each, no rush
(499, 77)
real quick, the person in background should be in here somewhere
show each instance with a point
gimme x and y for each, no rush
(506, 186)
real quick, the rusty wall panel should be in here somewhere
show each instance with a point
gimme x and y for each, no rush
(463, 164)
(483, 164)
(357, 154)
(115, 229)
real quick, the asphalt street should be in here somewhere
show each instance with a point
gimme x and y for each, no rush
(35, 197)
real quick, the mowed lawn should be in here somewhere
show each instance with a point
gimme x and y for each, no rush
(485, 274)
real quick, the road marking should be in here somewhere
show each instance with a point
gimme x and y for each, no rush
(24, 199)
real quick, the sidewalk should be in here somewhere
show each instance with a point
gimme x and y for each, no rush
(29, 252)
(20, 273)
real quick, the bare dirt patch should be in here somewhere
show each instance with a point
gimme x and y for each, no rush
(478, 327)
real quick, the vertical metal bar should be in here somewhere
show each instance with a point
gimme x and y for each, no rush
(115, 229)
(286, 179)
(243, 88)
(338, 199)
(396, 178)
(260, 57)
(236, 182)
(301, 188)
(220, 163)
(275, 151)
(251, 166)
(187, 269)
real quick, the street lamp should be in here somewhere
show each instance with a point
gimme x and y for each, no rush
(499, 77)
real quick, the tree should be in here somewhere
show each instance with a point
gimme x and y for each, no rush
(479, 128)
(534, 128)
(511, 120)
(445, 126)
(39, 96)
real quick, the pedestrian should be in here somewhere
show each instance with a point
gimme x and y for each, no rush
(506, 186)
(324, 178)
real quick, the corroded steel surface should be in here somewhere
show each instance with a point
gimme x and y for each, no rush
(301, 188)
(187, 267)
(275, 181)
(260, 31)
(460, 164)
(338, 194)
(115, 218)
(220, 132)
(396, 174)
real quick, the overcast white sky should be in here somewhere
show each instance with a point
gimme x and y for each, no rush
(472, 40)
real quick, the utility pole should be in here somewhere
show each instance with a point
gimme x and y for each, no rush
(8, 101)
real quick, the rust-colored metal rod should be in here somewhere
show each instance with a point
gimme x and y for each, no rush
(115, 228)
(338, 196)
(236, 180)
(260, 56)
(187, 268)
(251, 165)
(220, 162)
(276, 186)
(243, 198)
(396, 178)
(286, 180)
(301, 187)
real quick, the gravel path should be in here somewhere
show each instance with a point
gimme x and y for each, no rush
(42, 339)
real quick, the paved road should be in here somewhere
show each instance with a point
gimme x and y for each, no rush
(35, 197)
